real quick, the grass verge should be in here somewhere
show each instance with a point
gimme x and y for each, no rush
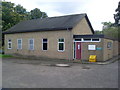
(5, 56)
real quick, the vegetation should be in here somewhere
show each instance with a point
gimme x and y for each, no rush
(13, 14)
(112, 29)
(5, 56)
(117, 16)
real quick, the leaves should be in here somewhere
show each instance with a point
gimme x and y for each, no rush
(13, 14)
(36, 13)
(117, 16)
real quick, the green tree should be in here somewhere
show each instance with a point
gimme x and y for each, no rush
(7, 12)
(112, 32)
(19, 9)
(36, 13)
(13, 14)
(117, 16)
(107, 24)
(98, 32)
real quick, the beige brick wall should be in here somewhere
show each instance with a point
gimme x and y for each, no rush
(82, 28)
(52, 37)
(86, 53)
(115, 48)
(108, 52)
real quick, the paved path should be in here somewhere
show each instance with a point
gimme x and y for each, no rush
(18, 73)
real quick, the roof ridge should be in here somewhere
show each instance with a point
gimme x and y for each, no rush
(67, 15)
(55, 17)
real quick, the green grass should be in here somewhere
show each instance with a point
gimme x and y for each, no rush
(5, 56)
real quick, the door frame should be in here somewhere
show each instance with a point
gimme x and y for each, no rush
(74, 49)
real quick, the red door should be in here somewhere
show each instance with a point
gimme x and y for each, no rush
(78, 50)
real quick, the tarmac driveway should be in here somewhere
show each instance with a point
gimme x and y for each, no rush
(19, 73)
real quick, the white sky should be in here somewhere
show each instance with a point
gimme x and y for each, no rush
(97, 10)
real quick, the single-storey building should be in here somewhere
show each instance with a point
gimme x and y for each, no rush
(65, 37)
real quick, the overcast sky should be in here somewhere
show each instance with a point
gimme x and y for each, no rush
(97, 10)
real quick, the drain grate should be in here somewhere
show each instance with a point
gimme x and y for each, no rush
(85, 67)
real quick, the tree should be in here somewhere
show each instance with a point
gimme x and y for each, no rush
(107, 24)
(13, 14)
(36, 13)
(117, 16)
(112, 32)
(98, 32)
(19, 9)
(23, 14)
(7, 12)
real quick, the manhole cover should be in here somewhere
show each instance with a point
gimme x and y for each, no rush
(85, 67)
(62, 65)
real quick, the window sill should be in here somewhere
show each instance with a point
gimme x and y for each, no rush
(44, 50)
(61, 50)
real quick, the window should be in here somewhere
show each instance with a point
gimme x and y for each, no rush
(45, 43)
(61, 44)
(87, 39)
(78, 39)
(19, 43)
(31, 44)
(9, 44)
(95, 39)
(109, 45)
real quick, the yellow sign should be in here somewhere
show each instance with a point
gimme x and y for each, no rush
(92, 58)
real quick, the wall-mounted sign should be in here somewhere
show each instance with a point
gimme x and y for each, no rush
(91, 47)
(99, 48)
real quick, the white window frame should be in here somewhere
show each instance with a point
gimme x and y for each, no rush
(82, 40)
(29, 44)
(18, 44)
(10, 43)
(63, 45)
(42, 44)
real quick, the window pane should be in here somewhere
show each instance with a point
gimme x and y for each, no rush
(61, 46)
(31, 44)
(87, 39)
(9, 45)
(31, 41)
(19, 41)
(77, 39)
(61, 40)
(31, 47)
(95, 39)
(19, 46)
(44, 46)
(9, 40)
(44, 40)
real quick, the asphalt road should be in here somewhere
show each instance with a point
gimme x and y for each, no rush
(22, 74)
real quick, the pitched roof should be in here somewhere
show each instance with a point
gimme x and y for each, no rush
(48, 24)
